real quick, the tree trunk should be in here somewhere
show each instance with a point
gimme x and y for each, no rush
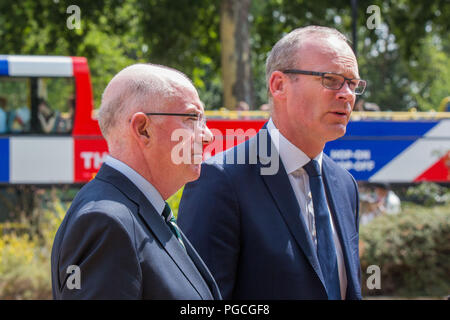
(235, 42)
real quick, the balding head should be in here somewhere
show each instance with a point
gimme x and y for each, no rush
(151, 144)
(140, 87)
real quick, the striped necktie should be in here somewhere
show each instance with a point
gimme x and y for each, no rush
(326, 251)
(172, 222)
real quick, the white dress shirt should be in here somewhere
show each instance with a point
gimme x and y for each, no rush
(293, 160)
(142, 184)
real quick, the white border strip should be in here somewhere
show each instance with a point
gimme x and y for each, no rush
(41, 160)
(40, 66)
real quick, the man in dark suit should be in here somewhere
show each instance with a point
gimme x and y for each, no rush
(274, 217)
(119, 240)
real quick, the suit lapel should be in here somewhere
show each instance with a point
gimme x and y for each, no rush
(158, 227)
(337, 209)
(281, 191)
(202, 268)
(173, 247)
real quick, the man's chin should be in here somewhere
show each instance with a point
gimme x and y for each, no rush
(197, 158)
(338, 130)
(195, 172)
(196, 165)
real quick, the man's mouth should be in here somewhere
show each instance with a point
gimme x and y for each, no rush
(340, 114)
(343, 113)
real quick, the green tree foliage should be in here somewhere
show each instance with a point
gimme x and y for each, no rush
(108, 36)
(405, 61)
(184, 35)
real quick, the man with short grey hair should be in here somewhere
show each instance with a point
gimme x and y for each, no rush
(119, 239)
(293, 233)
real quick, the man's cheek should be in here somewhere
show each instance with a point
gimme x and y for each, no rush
(197, 146)
(182, 151)
(197, 152)
(197, 159)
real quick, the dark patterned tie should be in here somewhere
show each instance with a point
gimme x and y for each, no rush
(172, 222)
(326, 250)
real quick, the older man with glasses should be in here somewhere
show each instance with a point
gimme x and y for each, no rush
(119, 239)
(292, 234)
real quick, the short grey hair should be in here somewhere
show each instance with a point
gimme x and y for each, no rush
(139, 87)
(284, 53)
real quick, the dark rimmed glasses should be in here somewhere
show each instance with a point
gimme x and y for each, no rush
(200, 118)
(333, 81)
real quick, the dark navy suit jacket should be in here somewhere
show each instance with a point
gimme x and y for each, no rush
(123, 248)
(247, 226)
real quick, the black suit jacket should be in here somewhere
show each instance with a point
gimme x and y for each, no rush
(247, 226)
(123, 248)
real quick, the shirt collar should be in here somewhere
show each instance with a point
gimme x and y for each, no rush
(292, 157)
(141, 183)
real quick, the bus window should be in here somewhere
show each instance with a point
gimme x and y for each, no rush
(15, 105)
(55, 105)
(36, 105)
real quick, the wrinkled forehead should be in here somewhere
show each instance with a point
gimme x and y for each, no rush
(185, 98)
(328, 55)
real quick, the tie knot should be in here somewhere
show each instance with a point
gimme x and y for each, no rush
(312, 168)
(167, 212)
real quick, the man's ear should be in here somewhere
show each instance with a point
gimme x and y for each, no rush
(277, 85)
(140, 127)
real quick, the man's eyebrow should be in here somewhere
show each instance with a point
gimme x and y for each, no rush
(194, 110)
(197, 108)
(352, 74)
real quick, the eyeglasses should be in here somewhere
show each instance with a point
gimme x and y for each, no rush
(200, 118)
(333, 81)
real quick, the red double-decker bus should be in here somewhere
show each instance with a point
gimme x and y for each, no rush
(49, 134)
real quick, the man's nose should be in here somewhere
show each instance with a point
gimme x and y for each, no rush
(207, 136)
(345, 93)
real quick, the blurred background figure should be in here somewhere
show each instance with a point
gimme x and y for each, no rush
(3, 116)
(370, 106)
(382, 201)
(264, 107)
(387, 201)
(359, 105)
(243, 106)
(48, 118)
(363, 105)
(19, 120)
(65, 122)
